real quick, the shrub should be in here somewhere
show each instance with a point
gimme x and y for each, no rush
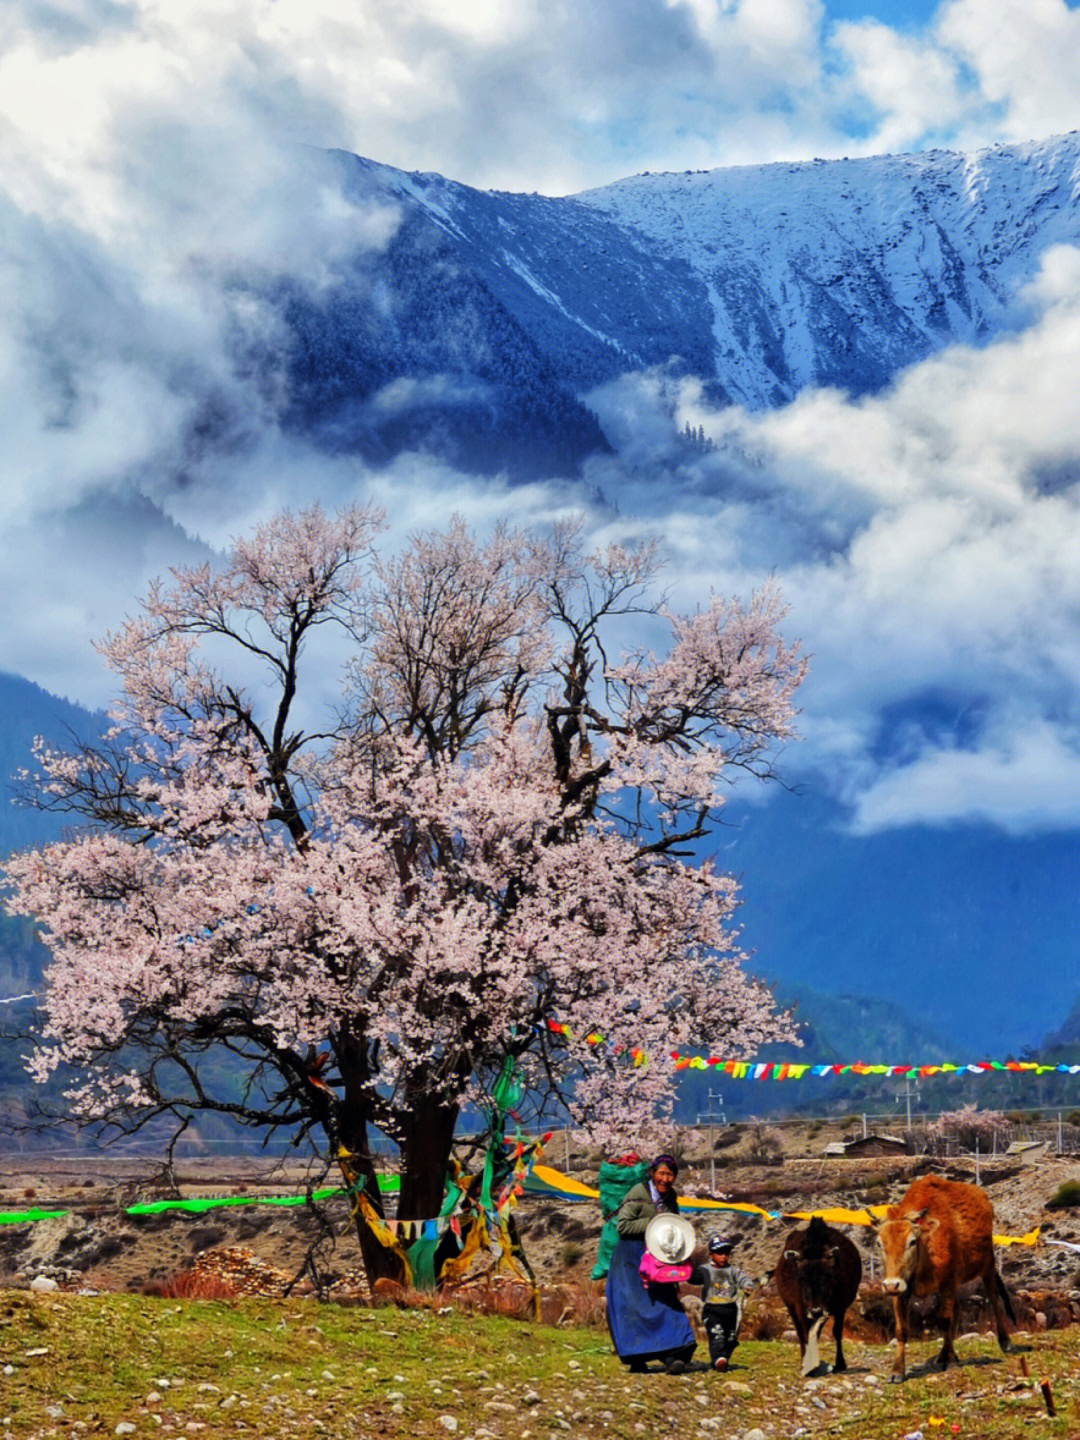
(764, 1322)
(570, 1254)
(1066, 1197)
(763, 1142)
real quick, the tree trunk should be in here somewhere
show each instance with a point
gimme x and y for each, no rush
(348, 1135)
(426, 1143)
(356, 1166)
(426, 1140)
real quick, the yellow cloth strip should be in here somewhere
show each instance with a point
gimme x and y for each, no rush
(383, 1234)
(837, 1216)
(696, 1204)
(558, 1181)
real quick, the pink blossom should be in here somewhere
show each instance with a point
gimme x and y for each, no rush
(490, 831)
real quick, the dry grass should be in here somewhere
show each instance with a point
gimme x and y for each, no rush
(574, 1302)
(303, 1371)
(193, 1285)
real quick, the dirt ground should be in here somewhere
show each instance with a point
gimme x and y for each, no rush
(98, 1246)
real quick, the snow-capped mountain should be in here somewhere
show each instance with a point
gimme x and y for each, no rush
(478, 330)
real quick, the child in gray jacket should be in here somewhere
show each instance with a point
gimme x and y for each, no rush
(722, 1286)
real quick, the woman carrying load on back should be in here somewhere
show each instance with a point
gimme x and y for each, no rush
(646, 1318)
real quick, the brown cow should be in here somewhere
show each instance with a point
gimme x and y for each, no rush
(818, 1275)
(940, 1236)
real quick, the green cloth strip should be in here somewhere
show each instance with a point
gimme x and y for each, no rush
(388, 1185)
(12, 1217)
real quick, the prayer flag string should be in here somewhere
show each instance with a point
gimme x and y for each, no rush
(800, 1069)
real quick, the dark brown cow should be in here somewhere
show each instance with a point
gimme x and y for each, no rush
(818, 1275)
(940, 1236)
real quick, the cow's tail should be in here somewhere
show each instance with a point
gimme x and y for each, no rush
(1006, 1298)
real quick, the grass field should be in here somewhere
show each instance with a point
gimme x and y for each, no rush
(134, 1365)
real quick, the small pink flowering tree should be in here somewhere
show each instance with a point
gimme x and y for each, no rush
(483, 835)
(968, 1128)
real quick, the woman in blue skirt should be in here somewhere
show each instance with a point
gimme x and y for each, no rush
(647, 1322)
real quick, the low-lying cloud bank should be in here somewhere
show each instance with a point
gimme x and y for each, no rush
(929, 542)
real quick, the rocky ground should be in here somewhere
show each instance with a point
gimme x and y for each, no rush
(98, 1246)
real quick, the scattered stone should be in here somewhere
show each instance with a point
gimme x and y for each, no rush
(241, 1270)
(125, 1428)
(531, 1397)
(448, 1423)
(44, 1284)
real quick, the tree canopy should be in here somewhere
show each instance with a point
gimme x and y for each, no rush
(479, 843)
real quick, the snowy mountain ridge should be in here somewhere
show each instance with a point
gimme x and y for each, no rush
(920, 249)
(762, 280)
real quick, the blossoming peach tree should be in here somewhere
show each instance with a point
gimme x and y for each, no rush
(492, 824)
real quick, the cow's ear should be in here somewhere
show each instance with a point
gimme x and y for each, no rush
(791, 1254)
(916, 1216)
(929, 1224)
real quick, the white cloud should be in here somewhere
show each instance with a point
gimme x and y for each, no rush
(1024, 56)
(914, 87)
(505, 93)
(928, 539)
(1030, 781)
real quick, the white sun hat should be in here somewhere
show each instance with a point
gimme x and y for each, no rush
(670, 1238)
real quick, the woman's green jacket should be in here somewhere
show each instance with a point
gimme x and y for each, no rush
(638, 1208)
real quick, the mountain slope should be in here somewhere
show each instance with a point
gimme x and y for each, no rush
(476, 332)
(29, 711)
(842, 272)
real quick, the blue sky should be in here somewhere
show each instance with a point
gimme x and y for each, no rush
(899, 14)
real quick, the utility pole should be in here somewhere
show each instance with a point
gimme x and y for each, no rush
(909, 1094)
(712, 1115)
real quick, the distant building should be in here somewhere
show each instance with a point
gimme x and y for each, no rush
(1029, 1152)
(865, 1145)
